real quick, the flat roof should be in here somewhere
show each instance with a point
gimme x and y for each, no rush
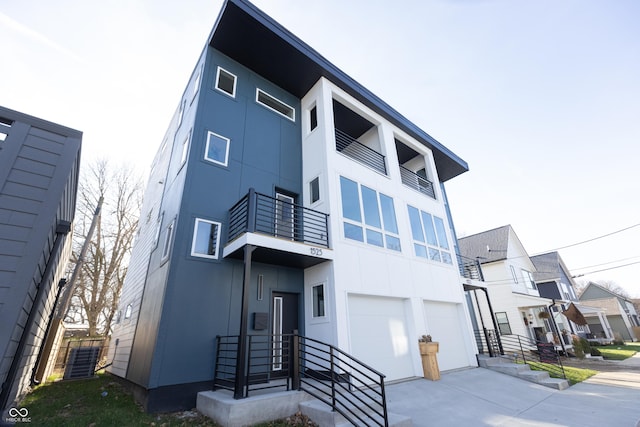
(249, 36)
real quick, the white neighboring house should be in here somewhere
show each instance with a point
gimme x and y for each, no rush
(509, 277)
(620, 312)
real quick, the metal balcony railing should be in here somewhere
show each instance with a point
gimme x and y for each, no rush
(350, 147)
(470, 268)
(417, 182)
(259, 213)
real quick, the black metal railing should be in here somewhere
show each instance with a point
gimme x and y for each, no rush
(537, 354)
(488, 342)
(349, 146)
(260, 213)
(470, 268)
(417, 182)
(348, 386)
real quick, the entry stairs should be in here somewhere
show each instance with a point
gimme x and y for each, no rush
(507, 366)
(220, 406)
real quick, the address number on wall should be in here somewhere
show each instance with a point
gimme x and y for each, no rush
(315, 251)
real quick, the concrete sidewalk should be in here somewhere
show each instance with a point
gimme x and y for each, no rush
(480, 397)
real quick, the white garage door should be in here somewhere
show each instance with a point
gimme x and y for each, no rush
(444, 326)
(379, 335)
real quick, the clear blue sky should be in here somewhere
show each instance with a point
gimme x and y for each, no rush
(542, 99)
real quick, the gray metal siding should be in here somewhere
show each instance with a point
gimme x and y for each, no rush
(39, 162)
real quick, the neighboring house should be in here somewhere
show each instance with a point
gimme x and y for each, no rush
(554, 281)
(285, 196)
(509, 278)
(39, 163)
(620, 311)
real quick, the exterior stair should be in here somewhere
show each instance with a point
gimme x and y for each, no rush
(522, 371)
(322, 415)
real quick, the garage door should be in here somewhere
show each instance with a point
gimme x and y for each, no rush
(444, 326)
(379, 335)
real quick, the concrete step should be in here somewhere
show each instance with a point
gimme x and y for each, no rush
(324, 416)
(522, 371)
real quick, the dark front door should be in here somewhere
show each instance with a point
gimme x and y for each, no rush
(284, 321)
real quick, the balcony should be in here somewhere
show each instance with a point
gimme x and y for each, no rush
(417, 182)
(470, 268)
(283, 233)
(359, 152)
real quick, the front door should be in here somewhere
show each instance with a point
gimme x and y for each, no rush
(284, 216)
(284, 321)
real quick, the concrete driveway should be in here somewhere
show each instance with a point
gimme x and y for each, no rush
(480, 397)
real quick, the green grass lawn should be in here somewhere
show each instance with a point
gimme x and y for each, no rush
(619, 352)
(100, 401)
(104, 401)
(573, 375)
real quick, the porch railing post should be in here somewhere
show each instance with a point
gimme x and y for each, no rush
(333, 378)
(295, 360)
(251, 210)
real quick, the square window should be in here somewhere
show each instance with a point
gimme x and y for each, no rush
(206, 235)
(353, 232)
(393, 243)
(217, 150)
(314, 190)
(421, 251)
(226, 82)
(374, 238)
(318, 301)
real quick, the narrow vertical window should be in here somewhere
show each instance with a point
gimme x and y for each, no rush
(513, 273)
(196, 85)
(166, 247)
(226, 82)
(206, 238)
(181, 112)
(314, 189)
(217, 150)
(318, 301)
(260, 287)
(185, 149)
(503, 323)
(313, 118)
(128, 311)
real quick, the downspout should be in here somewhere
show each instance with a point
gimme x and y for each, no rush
(62, 229)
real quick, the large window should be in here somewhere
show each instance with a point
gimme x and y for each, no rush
(368, 216)
(217, 150)
(429, 236)
(206, 239)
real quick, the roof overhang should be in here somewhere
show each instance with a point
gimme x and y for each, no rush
(246, 34)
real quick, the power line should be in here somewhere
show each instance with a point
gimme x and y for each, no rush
(604, 263)
(595, 238)
(606, 269)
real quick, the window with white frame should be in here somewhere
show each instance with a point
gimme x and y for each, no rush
(196, 85)
(166, 247)
(503, 323)
(226, 82)
(368, 216)
(206, 239)
(528, 279)
(313, 118)
(429, 236)
(217, 150)
(513, 274)
(128, 311)
(314, 190)
(318, 301)
(185, 149)
(274, 104)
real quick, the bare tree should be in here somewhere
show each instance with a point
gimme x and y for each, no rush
(100, 280)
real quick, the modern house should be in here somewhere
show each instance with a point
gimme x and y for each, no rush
(39, 163)
(620, 312)
(554, 281)
(286, 197)
(508, 271)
